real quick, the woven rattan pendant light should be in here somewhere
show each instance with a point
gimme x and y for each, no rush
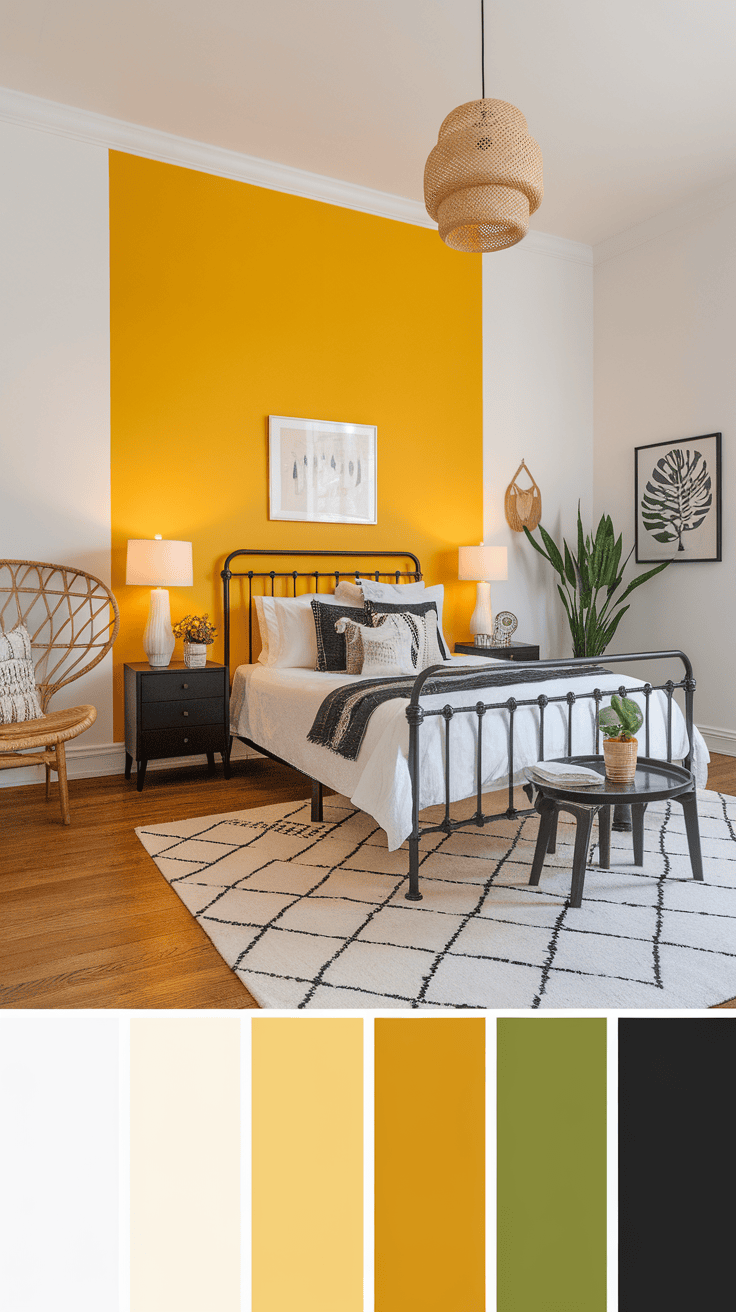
(484, 177)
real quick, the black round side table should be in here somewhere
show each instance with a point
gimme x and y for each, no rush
(655, 781)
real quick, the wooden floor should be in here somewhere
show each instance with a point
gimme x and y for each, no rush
(86, 920)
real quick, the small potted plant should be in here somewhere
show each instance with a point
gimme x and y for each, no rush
(198, 634)
(619, 722)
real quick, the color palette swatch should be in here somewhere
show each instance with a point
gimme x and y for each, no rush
(307, 1165)
(429, 1164)
(350, 1164)
(551, 1164)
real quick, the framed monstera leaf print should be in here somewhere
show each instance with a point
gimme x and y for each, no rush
(678, 500)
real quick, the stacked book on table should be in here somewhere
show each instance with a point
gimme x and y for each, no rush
(564, 774)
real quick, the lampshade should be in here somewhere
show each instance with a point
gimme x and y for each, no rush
(159, 563)
(483, 563)
(484, 177)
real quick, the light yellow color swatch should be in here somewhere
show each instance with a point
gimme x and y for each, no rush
(307, 1165)
(185, 1165)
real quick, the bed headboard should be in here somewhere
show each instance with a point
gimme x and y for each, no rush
(313, 575)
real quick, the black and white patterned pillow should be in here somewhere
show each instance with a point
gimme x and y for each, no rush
(376, 608)
(331, 653)
(18, 694)
(382, 650)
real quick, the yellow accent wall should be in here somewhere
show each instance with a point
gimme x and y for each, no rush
(230, 303)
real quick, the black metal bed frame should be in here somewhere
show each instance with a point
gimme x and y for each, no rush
(416, 713)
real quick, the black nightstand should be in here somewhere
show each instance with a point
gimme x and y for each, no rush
(175, 711)
(517, 651)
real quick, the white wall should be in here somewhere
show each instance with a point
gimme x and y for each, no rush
(665, 368)
(538, 404)
(55, 370)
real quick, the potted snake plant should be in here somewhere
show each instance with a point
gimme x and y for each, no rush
(619, 723)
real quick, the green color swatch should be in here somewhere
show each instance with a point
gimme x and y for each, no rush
(551, 1180)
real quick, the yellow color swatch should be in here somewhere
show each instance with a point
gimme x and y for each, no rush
(307, 1165)
(430, 1165)
(185, 1165)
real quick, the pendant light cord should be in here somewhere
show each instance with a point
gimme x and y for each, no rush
(482, 51)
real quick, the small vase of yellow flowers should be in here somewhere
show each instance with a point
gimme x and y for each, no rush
(198, 634)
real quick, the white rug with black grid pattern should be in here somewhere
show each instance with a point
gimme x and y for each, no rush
(314, 915)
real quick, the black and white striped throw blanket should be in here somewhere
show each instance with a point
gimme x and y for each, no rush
(342, 719)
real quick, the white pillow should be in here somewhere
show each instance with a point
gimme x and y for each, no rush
(386, 650)
(289, 624)
(262, 629)
(369, 589)
(19, 700)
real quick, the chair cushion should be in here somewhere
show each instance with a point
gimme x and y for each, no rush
(19, 700)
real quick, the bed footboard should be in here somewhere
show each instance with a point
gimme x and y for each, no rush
(417, 713)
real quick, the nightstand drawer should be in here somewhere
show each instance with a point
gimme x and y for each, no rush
(165, 715)
(182, 685)
(181, 742)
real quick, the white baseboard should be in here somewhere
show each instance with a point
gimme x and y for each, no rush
(96, 760)
(99, 759)
(719, 740)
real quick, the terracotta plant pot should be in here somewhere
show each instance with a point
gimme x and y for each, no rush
(195, 655)
(619, 755)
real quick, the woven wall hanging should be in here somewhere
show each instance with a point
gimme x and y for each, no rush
(523, 506)
(483, 179)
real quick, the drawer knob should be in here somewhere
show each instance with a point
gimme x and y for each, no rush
(186, 740)
(185, 712)
(185, 685)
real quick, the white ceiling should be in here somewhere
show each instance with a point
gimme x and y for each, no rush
(632, 101)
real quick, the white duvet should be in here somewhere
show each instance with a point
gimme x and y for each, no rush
(275, 708)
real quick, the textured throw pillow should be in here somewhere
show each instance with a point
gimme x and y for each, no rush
(331, 651)
(384, 651)
(373, 591)
(351, 594)
(353, 645)
(375, 608)
(363, 589)
(422, 629)
(18, 695)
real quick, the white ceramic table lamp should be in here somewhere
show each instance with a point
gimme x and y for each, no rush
(484, 565)
(159, 564)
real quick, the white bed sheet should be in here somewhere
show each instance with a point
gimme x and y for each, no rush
(275, 708)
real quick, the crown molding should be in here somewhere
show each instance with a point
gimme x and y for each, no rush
(115, 134)
(559, 248)
(679, 216)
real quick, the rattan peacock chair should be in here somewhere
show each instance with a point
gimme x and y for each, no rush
(72, 619)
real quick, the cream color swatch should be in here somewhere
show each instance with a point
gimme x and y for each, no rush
(185, 1165)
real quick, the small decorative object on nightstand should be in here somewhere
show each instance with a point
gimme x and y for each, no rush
(484, 565)
(504, 626)
(514, 651)
(198, 633)
(175, 712)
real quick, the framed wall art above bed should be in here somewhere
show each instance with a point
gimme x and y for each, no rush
(678, 500)
(322, 472)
